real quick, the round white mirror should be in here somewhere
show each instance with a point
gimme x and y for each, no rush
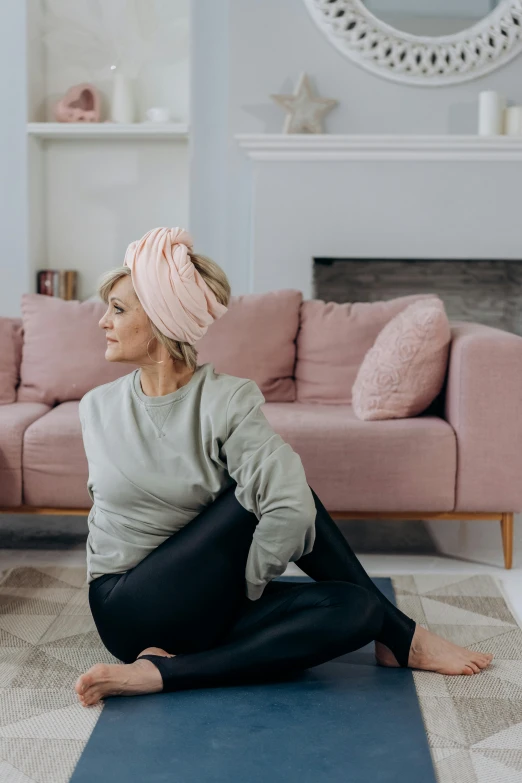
(428, 42)
(431, 18)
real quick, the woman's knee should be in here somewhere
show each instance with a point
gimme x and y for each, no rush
(364, 609)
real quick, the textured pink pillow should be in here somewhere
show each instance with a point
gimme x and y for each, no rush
(405, 369)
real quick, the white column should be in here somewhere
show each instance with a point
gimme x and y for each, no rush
(14, 271)
(209, 136)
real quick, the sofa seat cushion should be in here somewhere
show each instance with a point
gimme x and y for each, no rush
(353, 465)
(15, 418)
(397, 465)
(54, 462)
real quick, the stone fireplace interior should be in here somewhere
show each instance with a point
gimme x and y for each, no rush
(484, 291)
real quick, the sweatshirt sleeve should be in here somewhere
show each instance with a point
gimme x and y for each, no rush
(271, 483)
(80, 414)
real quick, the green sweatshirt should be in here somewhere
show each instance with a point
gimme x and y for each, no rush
(156, 462)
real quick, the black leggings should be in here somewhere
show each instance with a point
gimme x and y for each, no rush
(188, 597)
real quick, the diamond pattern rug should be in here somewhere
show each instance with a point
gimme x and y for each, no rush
(48, 638)
(474, 723)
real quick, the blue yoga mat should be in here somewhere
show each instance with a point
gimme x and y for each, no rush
(344, 721)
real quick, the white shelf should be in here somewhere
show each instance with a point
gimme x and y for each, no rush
(332, 147)
(108, 130)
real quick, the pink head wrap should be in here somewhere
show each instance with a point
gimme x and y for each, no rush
(171, 290)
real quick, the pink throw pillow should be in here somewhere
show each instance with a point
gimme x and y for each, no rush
(404, 371)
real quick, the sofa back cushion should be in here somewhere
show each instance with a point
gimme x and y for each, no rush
(11, 337)
(256, 339)
(332, 342)
(64, 350)
(64, 347)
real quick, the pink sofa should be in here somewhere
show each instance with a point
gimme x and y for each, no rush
(461, 459)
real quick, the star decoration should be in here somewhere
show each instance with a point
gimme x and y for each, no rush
(305, 110)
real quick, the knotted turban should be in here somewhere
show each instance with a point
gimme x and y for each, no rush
(172, 292)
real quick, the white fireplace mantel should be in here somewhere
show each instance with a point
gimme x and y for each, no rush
(338, 147)
(310, 195)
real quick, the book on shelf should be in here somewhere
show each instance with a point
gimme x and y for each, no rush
(57, 282)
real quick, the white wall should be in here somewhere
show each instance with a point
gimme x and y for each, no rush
(414, 209)
(261, 48)
(101, 195)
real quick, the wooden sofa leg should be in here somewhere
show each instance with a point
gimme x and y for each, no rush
(506, 525)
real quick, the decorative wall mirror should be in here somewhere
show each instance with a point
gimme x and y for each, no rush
(423, 42)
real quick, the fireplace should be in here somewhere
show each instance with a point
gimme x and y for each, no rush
(356, 217)
(485, 291)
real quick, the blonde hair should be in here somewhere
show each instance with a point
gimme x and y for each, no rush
(214, 277)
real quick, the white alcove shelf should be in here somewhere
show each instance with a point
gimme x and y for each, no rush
(108, 130)
(95, 187)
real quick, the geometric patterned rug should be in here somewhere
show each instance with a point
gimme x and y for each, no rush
(473, 723)
(48, 638)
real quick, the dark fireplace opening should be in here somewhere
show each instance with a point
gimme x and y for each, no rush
(485, 291)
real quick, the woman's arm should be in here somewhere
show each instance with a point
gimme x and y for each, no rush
(271, 483)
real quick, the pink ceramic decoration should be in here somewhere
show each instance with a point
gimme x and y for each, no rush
(80, 103)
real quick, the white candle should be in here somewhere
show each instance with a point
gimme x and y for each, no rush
(513, 121)
(491, 113)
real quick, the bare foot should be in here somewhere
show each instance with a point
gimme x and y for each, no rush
(120, 679)
(435, 654)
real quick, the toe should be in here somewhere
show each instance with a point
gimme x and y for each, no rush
(90, 694)
(88, 679)
(467, 669)
(81, 684)
(92, 698)
(84, 697)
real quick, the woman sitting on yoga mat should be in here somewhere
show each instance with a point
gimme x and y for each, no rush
(198, 504)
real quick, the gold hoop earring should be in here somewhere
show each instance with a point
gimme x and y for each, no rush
(150, 357)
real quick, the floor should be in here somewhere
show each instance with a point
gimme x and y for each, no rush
(375, 565)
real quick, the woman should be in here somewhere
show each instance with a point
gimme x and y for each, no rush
(173, 443)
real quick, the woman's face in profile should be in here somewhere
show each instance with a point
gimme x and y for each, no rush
(126, 323)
